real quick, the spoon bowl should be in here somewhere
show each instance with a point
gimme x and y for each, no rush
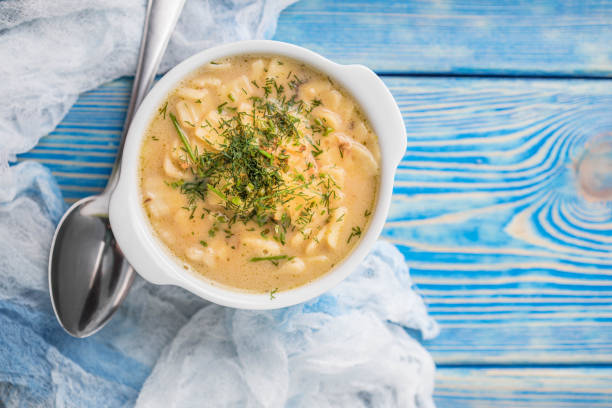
(84, 242)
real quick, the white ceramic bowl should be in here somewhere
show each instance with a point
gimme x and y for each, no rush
(152, 259)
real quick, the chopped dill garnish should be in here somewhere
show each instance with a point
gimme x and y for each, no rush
(175, 184)
(183, 137)
(367, 213)
(268, 155)
(273, 293)
(274, 258)
(204, 243)
(355, 232)
(198, 101)
(250, 173)
(215, 63)
(162, 110)
(155, 138)
(316, 150)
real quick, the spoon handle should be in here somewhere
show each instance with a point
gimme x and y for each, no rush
(160, 19)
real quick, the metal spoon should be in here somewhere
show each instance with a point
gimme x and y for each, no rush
(88, 275)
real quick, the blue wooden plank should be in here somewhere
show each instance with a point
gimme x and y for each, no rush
(460, 36)
(489, 215)
(554, 387)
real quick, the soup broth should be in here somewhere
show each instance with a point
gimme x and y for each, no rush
(259, 173)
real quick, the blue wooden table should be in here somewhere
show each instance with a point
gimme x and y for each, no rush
(503, 104)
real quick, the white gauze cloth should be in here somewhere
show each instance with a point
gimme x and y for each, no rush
(347, 348)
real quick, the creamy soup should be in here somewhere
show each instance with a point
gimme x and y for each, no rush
(259, 173)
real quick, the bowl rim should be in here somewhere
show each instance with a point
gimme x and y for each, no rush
(154, 261)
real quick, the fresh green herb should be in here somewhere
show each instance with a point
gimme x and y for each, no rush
(204, 243)
(183, 137)
(268, 155)
(294, 84)
(274, 258)
(355, 232)
(217, 192)
(280, 229)
(273, 293)
(189, 123)
(175, 184)
(198, 101)
(231, 97)
(316, 150)
(155, 138)
(367, 213)
(249, 168)
(162, 110)
(215, 63)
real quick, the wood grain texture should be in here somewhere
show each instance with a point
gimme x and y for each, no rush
(514, 262)
(523, 388)
(460, 37)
